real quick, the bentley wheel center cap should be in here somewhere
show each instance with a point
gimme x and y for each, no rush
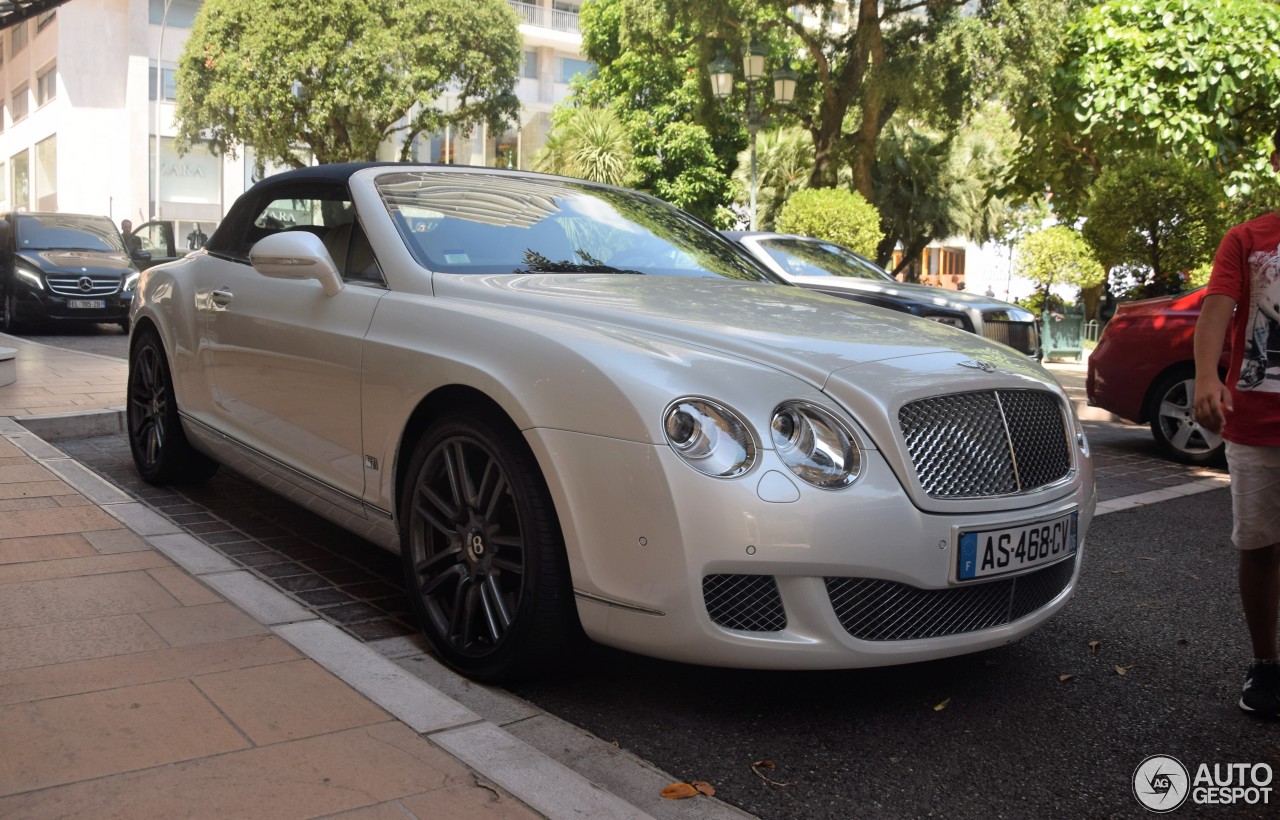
(475, 546)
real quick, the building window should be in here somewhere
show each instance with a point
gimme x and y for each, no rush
(570, 68)
(47, 174)
(46, 85)
(44, 20)
(182, 13)
(21, 190)
(18, 38)
(529, 69)
(20, 105)
(169, 76)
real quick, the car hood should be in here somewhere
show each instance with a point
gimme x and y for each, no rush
(792, 329)
(910, 292)
(77, 261)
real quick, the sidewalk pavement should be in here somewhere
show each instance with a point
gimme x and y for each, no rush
(144, 675)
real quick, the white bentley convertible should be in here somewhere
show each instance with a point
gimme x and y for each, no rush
(572, 408)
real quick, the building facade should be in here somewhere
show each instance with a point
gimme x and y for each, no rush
(88, 94)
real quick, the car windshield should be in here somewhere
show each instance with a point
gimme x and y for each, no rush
(807, 257)
(45, 232)
(491, 223)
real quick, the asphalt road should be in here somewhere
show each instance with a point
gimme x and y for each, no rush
(1146, 660)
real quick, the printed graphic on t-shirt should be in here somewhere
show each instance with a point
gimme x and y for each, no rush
(1260, 370)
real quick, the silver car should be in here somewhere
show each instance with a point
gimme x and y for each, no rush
(572, 408)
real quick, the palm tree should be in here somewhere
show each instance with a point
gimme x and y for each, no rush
(588, 143)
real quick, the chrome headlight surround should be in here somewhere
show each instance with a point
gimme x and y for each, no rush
(819, 448)
(130, 281)
(710, 437)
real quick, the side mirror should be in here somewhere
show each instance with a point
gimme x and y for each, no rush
(140, 256)
(296, 255)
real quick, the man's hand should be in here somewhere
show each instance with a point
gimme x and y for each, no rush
(1212, 396)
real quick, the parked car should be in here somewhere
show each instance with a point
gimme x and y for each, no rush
(1143, 370)
(64, 267)
(571, 406)
(830, 268)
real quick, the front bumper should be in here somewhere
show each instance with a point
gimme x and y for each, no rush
(644, 531)
(31, 305)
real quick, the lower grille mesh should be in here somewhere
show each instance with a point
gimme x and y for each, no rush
(747, 602)
(874, 610)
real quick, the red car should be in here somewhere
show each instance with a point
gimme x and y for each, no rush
(1144, 370)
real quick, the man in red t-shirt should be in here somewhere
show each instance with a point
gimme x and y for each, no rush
(1244, 297)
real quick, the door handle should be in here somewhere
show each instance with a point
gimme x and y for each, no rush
(221, 298)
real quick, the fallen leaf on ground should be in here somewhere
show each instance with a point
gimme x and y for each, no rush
(1066, 677)
(1117, 572)
(1123, 670)
(1094, 646)
(679, 791)
(1183, 642)
(942, 705)
(1145, 558)
(704, 788)
(766, 764)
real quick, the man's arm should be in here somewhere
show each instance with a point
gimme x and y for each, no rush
(1212, 396)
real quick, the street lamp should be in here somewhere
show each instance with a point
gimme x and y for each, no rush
(784, 91)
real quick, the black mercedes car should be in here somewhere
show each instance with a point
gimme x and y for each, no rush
(837, 271)
(64, 267)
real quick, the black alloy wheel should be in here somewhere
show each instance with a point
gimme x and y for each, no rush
(160, 449)
(1173, 422)
(483, 556)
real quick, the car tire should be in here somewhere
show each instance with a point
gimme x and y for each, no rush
(1172, 416)
(8, 314)
(160, 449)
(484, 558)
(125, 325)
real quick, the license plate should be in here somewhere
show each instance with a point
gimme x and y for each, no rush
(996, 552)
(89, 304)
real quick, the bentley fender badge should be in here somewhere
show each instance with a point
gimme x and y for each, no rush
(985, 367)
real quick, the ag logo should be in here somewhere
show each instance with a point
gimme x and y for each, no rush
(1161, 783)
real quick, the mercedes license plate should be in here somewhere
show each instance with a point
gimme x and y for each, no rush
(86, 304)
(997, 552)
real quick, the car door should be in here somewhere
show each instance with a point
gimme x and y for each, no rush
(285, 358)
(156, 238)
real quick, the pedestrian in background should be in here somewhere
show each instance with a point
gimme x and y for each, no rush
(132, 244)
(1244, 291)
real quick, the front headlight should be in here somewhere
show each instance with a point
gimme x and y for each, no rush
(130, 281)
(29, 274)
(711, 439)
(815, 445)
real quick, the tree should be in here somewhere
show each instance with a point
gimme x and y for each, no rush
(1058, 256)
(341, 77)
(1160, 217)
(1196, 79)
(588, 143)
(834, 214)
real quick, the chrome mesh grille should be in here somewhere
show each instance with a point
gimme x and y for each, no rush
(993, 442)
(747, 602)
(874, 610)
(67, 284)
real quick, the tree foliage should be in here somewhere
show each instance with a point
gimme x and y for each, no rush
(835, 214)
(1058, 256)
(1156, 216)
(784, 160)
(588, 143)
(1196, 79)
(340, 77)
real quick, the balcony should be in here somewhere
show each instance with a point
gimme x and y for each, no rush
(542, 17)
